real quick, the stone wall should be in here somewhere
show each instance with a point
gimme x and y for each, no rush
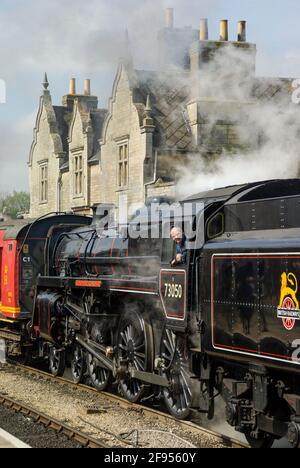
(43, 152)
(123, 127)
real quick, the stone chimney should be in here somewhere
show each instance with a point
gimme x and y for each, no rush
(89, 101)
(203, 52)
(174, 44)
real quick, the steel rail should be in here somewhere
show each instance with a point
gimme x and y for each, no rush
(150, 412)
(51, 423)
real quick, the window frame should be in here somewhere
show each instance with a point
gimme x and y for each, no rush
(43, 182)
(78, 175)
(123, 165)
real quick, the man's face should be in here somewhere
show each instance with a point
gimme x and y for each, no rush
(176, 236)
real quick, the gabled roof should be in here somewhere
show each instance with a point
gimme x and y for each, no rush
(169, 94)
(278, 90)
(97, 121)
(46, 104)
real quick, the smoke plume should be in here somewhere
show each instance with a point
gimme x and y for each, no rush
(265, 120)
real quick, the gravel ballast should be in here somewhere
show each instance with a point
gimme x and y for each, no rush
(114, 424)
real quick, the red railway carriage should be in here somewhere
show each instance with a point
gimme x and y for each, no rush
(9, 271)
(24, 246)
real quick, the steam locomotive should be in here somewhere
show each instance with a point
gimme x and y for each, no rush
(227, 322)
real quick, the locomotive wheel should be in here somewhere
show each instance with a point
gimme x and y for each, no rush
(135, 348)
(57, 362)
(78, 364)
(266, 441)
(100, 376)
(178, 397)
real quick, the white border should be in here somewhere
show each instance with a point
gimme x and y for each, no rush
(258, 255)
(185, 295)
(8, 439)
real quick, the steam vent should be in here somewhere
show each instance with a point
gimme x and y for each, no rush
(196, 105)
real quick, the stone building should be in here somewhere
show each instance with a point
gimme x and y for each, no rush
(156, 120)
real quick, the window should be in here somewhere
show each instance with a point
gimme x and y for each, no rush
(123, 166)
(44, 183)
(78, 175)
(215, 226)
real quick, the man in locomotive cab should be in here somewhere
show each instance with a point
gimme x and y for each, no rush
(178, 236)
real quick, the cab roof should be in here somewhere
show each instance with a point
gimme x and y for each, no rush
(278, 188)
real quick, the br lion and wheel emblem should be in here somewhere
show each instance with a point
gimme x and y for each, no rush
(288, 304)
(288, 299)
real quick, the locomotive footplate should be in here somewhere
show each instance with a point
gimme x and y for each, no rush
(129, 285)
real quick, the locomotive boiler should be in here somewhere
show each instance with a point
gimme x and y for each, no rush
(226, 322)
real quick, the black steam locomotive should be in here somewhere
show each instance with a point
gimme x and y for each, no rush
(227, 321)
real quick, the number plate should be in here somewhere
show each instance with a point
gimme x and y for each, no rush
(173, 293)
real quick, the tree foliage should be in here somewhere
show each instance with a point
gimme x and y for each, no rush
(14, 204)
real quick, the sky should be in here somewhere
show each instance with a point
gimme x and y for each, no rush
(73, 38)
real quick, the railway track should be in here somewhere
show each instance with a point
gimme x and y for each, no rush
(87, 441)
(50, 423)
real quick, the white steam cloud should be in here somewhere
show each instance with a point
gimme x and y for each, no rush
(266, 126)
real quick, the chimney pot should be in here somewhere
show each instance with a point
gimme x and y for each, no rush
(170, 18)
(224, 30)
(72, 89)
(242, 31)
(87, 87)
(203, 29)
